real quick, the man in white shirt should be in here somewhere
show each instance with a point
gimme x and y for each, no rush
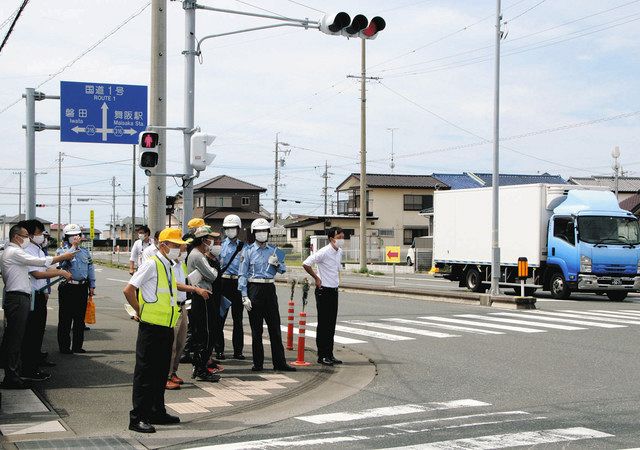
(329, 262)
(151, 250)
(135, 261)
(16, 303)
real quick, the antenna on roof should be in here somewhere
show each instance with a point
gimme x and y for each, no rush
(392, 164)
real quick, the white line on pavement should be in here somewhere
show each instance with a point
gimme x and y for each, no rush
(580, 316)
(115, 279)
(557, 319)
(521, 322)
(481, 324)
(523, 439)
(443, 326)
(633, 320)
(401, 329)
(391, 411)
(373, 334)
(312, 334)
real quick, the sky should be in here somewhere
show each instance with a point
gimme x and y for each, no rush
(568, 93)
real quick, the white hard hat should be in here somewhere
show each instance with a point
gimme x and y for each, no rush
(72, 229)
(260, 224)
(232, 221)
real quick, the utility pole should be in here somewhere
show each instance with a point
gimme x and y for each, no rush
(113, 212)
(70, 205)
(19, 193)
(325, 190)
(189, 52)
(495, 222)
(158, 112)
(392, 164)
(133, 198)
(279, 162)
(615, 153)
(59, 195)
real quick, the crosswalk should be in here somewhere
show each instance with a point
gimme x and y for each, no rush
(473, 424)
(534, 322)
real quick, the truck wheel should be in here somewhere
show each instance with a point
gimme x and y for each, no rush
(617, 296)
(474, 280)
(409, 263)
(558, 287)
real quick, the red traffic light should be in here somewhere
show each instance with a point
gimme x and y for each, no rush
(40, 205)
(376, 25)
(148, 139)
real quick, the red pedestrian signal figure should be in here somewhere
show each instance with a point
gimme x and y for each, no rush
(148, 141)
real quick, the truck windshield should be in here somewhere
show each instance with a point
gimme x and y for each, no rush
(609, 230)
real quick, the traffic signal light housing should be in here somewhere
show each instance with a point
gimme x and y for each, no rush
(40, 205)
(341, 24)
(200, 158)
(147, 143)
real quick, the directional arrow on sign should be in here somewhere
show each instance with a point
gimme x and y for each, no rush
(130, 131)
(392, 255)
(78, 129)
(104, 130)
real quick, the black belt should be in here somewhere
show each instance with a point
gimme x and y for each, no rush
(77, 282)
(324, 288)
(24, 294)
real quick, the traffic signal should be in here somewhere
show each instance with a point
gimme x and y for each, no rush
(147, 142)
(200, 159)
(341, 23)
(40, 205)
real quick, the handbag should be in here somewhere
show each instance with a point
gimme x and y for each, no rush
(90, 314)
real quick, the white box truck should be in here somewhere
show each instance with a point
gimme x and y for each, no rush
(575, 238)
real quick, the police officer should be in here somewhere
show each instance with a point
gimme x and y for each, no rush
(258, 267)
(157, 310)
(73, 294)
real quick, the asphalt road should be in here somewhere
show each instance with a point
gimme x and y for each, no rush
(561, 380)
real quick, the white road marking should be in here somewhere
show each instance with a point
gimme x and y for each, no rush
(626, 314)
(599, 315)
(523, 439)
(401, 329)
(373, 334)
(630, 311)
(481, 324)
(557, 319)
(115, 279)
(443, 326)
(580, 316)
(391, 411)
(312, 334)
(521, 322)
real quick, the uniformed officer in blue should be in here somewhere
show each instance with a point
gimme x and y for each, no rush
(230, 265)
(258, 267)
(73, 294)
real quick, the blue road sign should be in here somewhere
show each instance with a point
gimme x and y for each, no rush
(102, 113)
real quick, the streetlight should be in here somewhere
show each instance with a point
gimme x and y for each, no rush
(615, 153)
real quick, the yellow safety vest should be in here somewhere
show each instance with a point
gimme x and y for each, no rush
(164, 309)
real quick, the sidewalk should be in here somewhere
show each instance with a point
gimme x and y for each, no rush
(87, 399)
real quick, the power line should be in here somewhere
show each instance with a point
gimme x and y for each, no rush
(84, 53)
(259, 8)
(13, 24)
(6, 21)
(306, 6)
(525, 11)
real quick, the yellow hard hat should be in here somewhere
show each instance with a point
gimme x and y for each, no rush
(172, 235)
(195, 223)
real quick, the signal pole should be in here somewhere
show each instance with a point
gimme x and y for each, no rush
(59, 195)
(157, 113)
(69, 204)
(133, 198)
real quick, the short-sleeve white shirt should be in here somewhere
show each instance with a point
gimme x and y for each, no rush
(146, 277)
(329, 263)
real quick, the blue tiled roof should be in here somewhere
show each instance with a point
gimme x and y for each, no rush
(457, 180)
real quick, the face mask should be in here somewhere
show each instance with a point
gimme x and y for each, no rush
(141, 237)
(262, 236)
(182, 257)
(173, 253)
(339, 243)
(25, 242)
(38, 240)
(215, 249)
(231, 233)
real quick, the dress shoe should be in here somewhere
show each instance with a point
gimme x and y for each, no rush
(13, 383)
(285, 368)
(36, 376)
(206, 376)
(176, 379)
(66, 351)
(166, 419)
(79, 350)
(45, 363)
(142, 427)
(220, 356)
(239, 356)
(325, 361)
(171, 386)
(256, 369)
(86, 328)
(335, 361)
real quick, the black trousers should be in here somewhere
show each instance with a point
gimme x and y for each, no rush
(264, 308)
(327, 306)
(203, 328)
(16, 307)
(72, 309)
(33, 335)
(153, 358)
(231, 292)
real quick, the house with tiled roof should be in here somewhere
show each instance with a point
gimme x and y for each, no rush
(632, 204)
(469, 180)
(627, 186)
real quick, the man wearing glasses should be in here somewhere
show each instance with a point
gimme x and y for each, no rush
(16, 264)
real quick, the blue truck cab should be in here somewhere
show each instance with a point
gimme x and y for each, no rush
(592, 246)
